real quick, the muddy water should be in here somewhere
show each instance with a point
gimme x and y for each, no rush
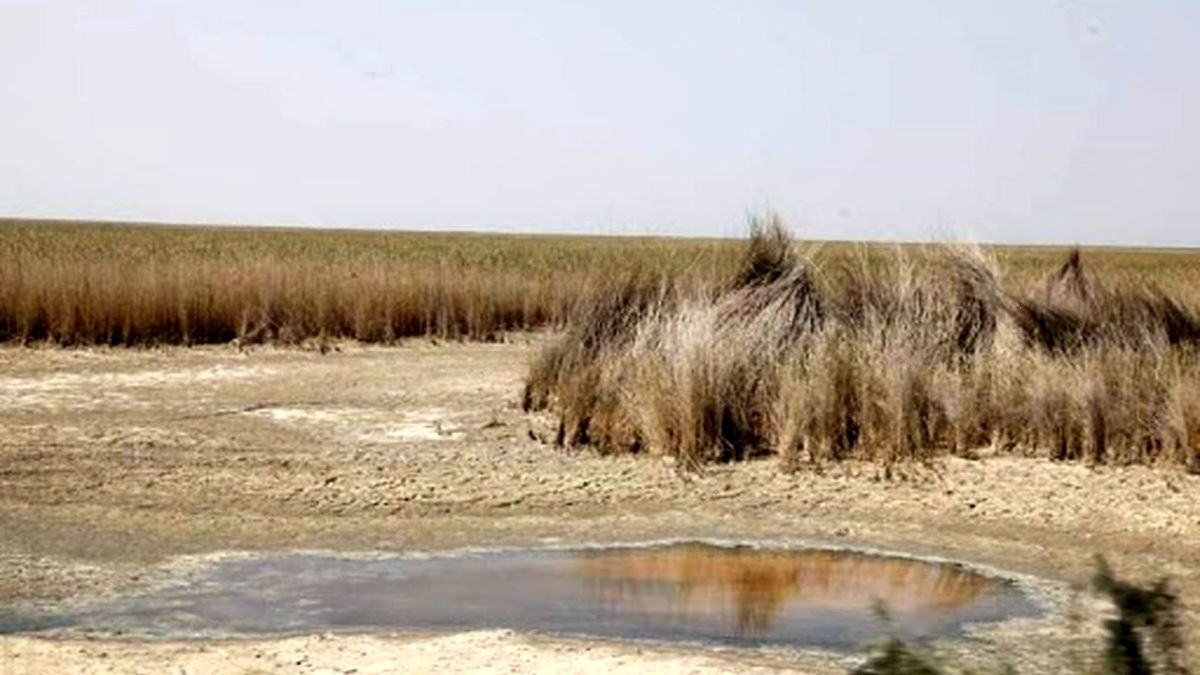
(694, 592)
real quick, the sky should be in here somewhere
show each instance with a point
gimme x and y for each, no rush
(1055, 121)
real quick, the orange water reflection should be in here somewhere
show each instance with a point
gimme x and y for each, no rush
(753, 587)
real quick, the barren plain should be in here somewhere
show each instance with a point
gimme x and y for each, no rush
(121, 467)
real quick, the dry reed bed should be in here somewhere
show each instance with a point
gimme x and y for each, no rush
(880, 355)
(80, 284)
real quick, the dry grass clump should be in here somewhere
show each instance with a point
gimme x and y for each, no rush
(573, 369)
(1075, 310)
(697, 381)
(879, 355)
(688, 369)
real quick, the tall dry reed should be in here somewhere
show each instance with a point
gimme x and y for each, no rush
(81, 284)
(883, 355)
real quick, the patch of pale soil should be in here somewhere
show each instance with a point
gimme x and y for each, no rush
(475, 652)
(369, 425)
(423, 447)
(109, 389)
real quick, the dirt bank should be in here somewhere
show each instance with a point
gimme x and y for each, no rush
(114, 462)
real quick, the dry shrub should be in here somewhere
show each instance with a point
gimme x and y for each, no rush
(1146, 633)
(879, 357)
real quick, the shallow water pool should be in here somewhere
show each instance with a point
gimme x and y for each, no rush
(698, 592)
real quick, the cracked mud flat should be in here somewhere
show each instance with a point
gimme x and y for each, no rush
(115, 465)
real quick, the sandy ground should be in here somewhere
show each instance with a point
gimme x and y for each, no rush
(113, 463)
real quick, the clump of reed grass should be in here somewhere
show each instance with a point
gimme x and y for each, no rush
(885, 356)
(1076, 310)
(573, 373)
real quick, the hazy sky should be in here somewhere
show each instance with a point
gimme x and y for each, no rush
(1012, 121)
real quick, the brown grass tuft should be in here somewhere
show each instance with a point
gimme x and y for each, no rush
(1076, 310)
(881, 355)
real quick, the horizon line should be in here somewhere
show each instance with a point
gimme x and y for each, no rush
(504, 230)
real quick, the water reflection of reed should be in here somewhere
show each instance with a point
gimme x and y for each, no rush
(753, 586)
